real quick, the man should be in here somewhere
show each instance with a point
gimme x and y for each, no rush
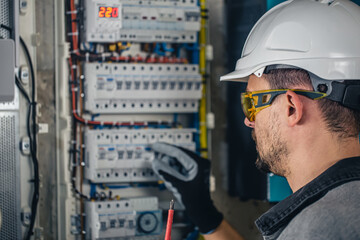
(301, 63)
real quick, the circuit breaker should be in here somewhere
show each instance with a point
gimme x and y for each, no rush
(125, 155)
(142, 21)
(133, 218)
(142, 88)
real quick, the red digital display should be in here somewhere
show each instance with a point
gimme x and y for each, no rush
(108, 12)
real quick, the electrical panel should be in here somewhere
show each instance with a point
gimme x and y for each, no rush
(136, 71)
(142, 21)
(146, 88)
(124, 219)
(124, 155)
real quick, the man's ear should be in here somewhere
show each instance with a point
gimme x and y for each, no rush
(294, 108)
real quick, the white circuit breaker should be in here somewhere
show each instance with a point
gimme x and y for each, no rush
(142, 21)
(144, 88)
(125, 155)
(133, 218)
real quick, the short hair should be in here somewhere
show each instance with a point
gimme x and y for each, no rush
(343, 121)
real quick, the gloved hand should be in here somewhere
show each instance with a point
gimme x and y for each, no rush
(187, 176)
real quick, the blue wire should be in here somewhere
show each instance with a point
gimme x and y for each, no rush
(114, 187)
(196, 54)
(95, 49)
(84, 46)
(91, 47)
(92, 189)
(175, 118)
(93, 118)
(167, 49)
(190, 48)
(157, 50)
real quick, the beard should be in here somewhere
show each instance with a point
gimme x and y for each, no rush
(272, 149)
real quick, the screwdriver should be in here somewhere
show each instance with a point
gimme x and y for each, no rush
(170, 220)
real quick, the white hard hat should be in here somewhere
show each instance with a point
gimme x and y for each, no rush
(319, 36)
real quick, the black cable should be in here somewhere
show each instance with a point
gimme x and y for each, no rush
(33, 143)
(80, 22)
(74, 151)
(28, 124)
(28, 118)
(22, 90)
(7, 28)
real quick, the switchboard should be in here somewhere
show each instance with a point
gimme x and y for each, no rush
(136, 77)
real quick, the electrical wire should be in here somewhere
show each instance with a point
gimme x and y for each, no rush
(82, 211)
(75, 164)
(22, 90)
(32, 131)
(6, 28)
(169, 220)
(33, 156)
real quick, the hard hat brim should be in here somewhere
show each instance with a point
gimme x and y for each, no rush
(237, 76)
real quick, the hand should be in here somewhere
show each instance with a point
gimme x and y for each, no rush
(187, 176)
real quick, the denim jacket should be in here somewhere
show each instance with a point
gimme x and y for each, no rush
(326, 208)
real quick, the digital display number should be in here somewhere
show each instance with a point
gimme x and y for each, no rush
(108, 12)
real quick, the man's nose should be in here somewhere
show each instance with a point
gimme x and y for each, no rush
(248, 123)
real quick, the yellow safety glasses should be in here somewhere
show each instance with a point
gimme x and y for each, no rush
(254, 102)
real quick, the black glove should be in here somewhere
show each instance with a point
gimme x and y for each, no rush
(187, 175)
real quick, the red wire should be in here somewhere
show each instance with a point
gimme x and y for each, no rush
(169, 224)
(73, 26)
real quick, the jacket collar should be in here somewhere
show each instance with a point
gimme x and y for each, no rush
(282, 213)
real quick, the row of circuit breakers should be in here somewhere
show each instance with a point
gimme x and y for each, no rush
(142, 88)
(135, 218)
(124, 155)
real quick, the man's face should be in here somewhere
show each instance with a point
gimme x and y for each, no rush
(270, 144)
